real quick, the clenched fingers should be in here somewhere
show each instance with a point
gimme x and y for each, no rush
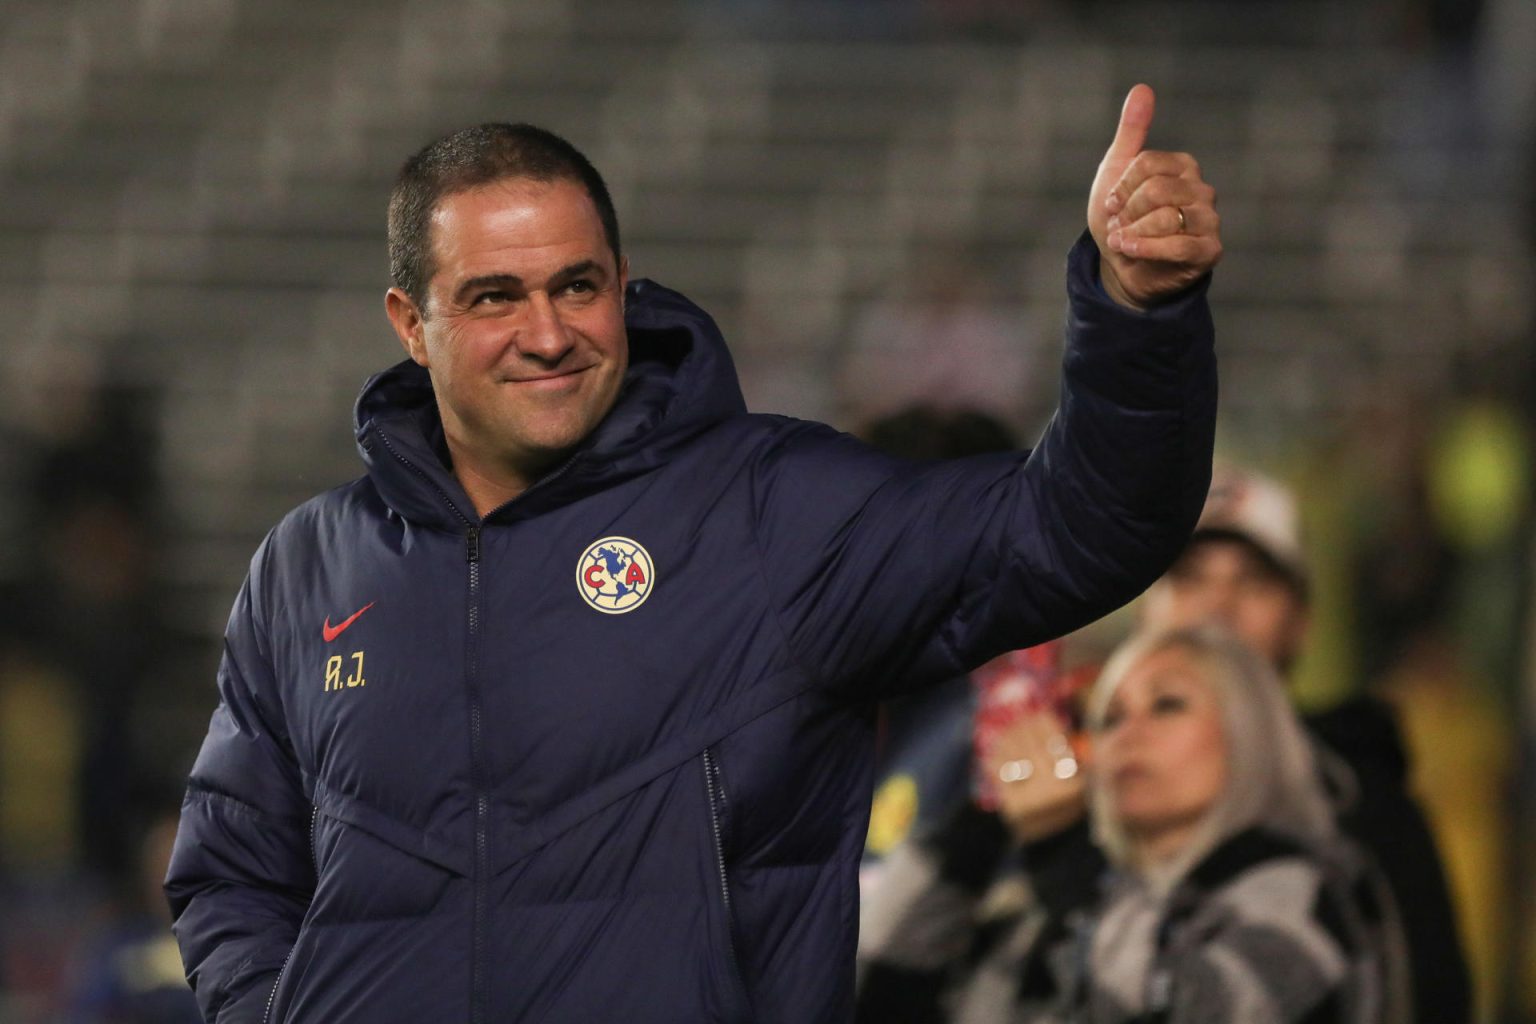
(1162, 191)
(1171, 233)
(1182, 250)
(1164, 212)
(1150, 164)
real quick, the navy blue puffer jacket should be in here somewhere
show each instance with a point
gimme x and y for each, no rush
(605, 755)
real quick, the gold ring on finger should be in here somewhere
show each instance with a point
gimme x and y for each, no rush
(1183, 221)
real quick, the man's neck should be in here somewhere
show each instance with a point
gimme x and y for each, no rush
(488, 488)
(486, 496)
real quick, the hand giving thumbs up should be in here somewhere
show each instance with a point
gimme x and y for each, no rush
(1154, 218)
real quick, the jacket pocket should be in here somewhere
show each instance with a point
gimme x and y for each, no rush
(373, 878)
(282, 972)
(719, 815)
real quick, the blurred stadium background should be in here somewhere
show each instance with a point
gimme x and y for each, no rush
(874, 197)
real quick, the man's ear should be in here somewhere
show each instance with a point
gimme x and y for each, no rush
(407, 320)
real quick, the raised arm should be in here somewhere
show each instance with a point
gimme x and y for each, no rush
(890, 575)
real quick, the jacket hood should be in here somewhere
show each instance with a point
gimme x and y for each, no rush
(680, 381)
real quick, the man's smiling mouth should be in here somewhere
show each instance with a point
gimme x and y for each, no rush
(548, 378)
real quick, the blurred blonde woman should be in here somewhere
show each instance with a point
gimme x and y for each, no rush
(1232, 897)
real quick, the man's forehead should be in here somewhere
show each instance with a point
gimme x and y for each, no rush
(512, 213)
(513, 197)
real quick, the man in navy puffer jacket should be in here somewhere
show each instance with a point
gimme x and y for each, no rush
(562, 713)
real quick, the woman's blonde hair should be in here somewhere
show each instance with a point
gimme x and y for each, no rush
(1271, 779)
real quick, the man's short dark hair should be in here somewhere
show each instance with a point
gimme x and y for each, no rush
(469, 158)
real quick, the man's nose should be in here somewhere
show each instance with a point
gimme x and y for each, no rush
(543, 335)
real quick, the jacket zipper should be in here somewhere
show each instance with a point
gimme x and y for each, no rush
(477, 774)
(266, 1015)
(472, 528)
(477, 996)
(718, 810)
(477, 967)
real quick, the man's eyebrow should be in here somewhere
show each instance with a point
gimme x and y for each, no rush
(508, 281)
(578, 269)
(512, 282)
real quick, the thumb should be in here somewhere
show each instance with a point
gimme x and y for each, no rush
(1135, 120)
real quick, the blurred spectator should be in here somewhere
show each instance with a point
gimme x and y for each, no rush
(1232, 895)
(1462, 774)
(1244, 569)
(1455, 678)
(87, 615)
(1435, 500)
(82, 640)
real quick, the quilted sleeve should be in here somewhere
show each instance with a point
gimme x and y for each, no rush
(889, 575)
(241, 874)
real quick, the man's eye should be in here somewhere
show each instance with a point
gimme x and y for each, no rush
(485, 297)
(1168, 704)
(580, 287)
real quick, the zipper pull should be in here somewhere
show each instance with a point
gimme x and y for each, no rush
(472, 545)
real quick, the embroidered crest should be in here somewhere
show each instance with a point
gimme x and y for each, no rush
(615, 575)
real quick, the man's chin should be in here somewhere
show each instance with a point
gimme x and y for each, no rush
(550, 435)
(543, 450)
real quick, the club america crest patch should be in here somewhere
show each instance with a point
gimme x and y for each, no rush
(615, 575)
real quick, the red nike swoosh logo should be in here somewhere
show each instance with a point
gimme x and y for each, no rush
(331, 632)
